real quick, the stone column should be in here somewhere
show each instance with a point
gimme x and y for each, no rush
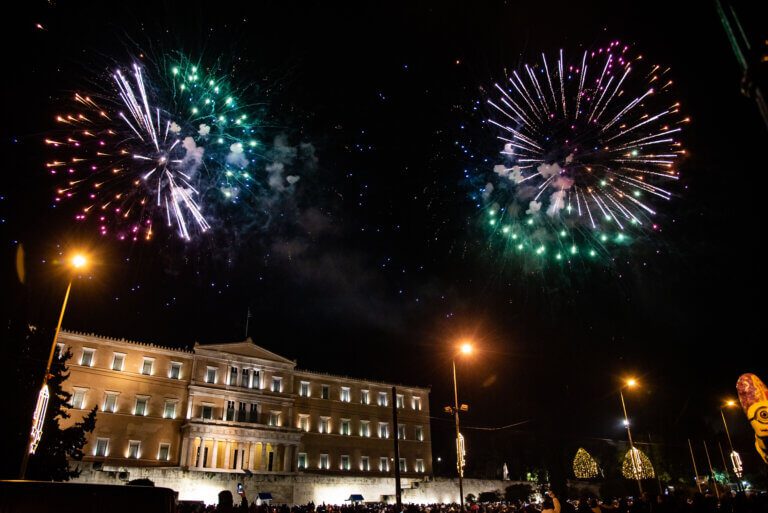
(287, 458)
(227, 452)
(252, 456)
(214, 457)
(184, 454)
(263, 456)
(275, 457)
(192, 451)
(201, 452)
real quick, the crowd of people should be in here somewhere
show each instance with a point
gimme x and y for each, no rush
(740, 502)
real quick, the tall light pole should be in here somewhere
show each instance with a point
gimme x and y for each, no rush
(635, 459)
(711, 471)
(76, 262)
(735, 458)
(695, 470)
(465, 349)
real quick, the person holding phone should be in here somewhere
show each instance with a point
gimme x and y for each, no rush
(227, 503)
(551, 503)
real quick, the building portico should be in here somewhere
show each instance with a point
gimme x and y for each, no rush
(225, 448)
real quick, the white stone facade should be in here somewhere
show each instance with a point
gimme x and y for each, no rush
(294, 489)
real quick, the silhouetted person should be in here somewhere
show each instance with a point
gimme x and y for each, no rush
(226, 502)
(641, 504)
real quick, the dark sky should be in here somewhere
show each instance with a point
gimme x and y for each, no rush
(378, 264)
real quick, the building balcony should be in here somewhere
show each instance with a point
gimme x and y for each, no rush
(248, 417)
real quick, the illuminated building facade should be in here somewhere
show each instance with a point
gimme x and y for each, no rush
(237, 407)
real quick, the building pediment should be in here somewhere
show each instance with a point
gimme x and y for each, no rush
(246, 348)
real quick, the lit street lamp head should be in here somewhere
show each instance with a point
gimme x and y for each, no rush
(631, 383)
(730, 403)
(79, 261)
(466, 348)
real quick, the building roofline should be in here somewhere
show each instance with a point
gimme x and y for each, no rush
(126, 341)
(186, 351)
(304, 372)
(221, 346)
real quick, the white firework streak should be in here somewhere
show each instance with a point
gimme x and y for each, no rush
(616, 90)
(540, 94)
(578, 203)
(611, 163)
(549, 80)
(626, 109)
(177, 199)
(600, 82)
(562, 87)
(524, 93)
(583, 72)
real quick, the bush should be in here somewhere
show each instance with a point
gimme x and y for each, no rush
(517, 492)
(493, 496)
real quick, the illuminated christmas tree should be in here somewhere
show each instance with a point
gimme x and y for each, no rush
(584, 465)
(637, 465)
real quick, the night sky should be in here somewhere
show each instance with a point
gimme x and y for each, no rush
(379, 261)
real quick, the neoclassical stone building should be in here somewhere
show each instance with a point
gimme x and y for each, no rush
(239, 408)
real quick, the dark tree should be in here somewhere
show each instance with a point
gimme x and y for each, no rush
(493, 496)
(517, 492)
(59, 446)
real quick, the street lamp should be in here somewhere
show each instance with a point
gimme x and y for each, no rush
(465, 349)
(735, 458)
(77, 262)
(635, 458)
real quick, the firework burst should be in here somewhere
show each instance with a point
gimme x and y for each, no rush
(144, 150)
(589, 149)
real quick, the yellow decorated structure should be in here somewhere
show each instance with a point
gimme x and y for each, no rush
(753, 396)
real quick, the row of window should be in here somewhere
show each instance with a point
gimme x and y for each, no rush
(246, 412)
(345, 428)
(109, 404)
(133, 450)
(88, 356)
(345, 396)
(345, 463)
(248, 378)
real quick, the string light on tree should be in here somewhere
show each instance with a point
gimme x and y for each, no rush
(637, 465)
(584, 465)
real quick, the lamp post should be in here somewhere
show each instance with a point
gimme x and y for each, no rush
(631, 383)
(735, 458)
(77, 262)
(464, 349)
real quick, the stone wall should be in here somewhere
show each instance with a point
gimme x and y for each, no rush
(292, 489)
